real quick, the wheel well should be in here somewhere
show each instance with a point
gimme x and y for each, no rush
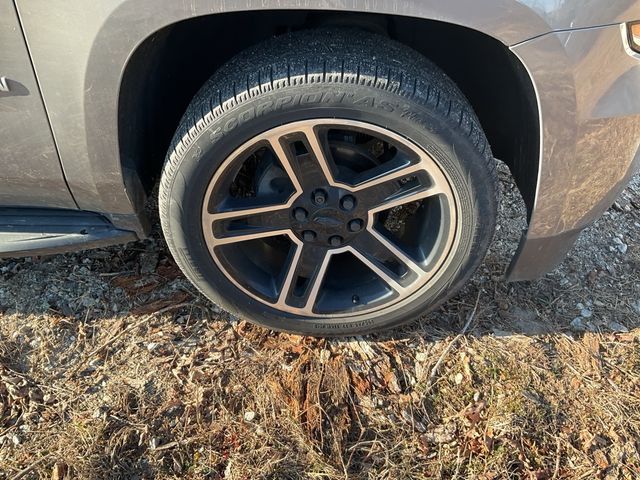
(170, 66)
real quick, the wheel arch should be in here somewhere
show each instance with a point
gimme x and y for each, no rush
(148, 114)
(120, 61)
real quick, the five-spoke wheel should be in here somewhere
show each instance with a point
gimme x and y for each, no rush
(347, 217)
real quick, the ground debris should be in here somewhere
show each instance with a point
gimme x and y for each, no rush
(113, 366)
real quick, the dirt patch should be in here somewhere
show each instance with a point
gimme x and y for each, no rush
(112, 366)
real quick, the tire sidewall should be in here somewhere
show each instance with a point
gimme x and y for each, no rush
(441, 138)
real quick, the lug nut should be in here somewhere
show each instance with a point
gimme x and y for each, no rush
(335, 241)
(300, 214)
(355, 225)
(348, 202)
(319, 197)
(308, 236)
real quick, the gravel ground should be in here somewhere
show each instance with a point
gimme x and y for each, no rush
(113, 366)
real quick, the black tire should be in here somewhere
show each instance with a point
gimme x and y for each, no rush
(327, 73)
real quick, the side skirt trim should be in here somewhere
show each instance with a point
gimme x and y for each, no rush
(36, 231)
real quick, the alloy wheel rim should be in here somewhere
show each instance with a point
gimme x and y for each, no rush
(309, 234)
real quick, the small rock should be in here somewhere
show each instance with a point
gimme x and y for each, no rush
(586, 313)
(458, 378)
(249, 416)
(503, 305)
(617, 327)
(622, 248)
(16, 440)
(578, 325)
(152, 346)
(598, 303)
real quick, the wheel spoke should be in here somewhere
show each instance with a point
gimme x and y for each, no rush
(285, 157)
(319, 155)
(387, 261)
(304, 278)
(408, 196)
(309, 166)
(248, 223)
(401, 186)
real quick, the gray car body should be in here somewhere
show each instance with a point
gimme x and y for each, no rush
(66, 60)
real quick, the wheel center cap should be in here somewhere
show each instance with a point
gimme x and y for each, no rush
(329, 217)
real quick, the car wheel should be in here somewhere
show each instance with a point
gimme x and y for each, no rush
(329, 182)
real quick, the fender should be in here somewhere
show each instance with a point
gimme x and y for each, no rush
(589, 125)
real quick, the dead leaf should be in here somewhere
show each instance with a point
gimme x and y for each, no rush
(601, 459)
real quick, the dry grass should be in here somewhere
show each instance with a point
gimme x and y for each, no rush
(204, 400)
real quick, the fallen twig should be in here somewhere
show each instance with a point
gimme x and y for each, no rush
(22, 473)
(436, 368)
(175, 444)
